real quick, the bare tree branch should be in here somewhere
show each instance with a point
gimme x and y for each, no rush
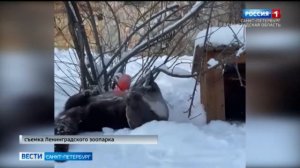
(116, 21)
(78, 48)
(168, 30)
(198, 75)
(176, 75)
(62, 89)
(129, 37)
(82, 33)
(235, 36)
(99, 47)
(196, 116)
(239, 75)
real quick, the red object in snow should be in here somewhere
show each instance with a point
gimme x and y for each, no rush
(123, 83)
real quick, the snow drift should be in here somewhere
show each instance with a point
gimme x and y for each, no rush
(217, 144)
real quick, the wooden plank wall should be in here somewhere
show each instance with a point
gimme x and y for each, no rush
(212, 91)
(212, 83)
(214, 95)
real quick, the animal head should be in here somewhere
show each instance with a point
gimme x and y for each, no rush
(134, 99)
(147, 86)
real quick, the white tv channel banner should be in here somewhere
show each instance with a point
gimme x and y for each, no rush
(76, 139)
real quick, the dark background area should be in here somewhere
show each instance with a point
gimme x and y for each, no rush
(235, 94)
(26, 72)
(273, 93)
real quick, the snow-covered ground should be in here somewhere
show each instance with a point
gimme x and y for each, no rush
(181, 142)
(218, 144)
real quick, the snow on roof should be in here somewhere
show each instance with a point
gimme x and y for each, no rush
(222, 36)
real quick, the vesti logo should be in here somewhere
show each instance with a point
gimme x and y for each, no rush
(261, 14)
(49, 156)
(31, 156)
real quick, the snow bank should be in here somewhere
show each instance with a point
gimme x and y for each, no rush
(219, 36)
(218, 144)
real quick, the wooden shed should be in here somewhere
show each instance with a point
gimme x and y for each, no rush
(221, 65)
